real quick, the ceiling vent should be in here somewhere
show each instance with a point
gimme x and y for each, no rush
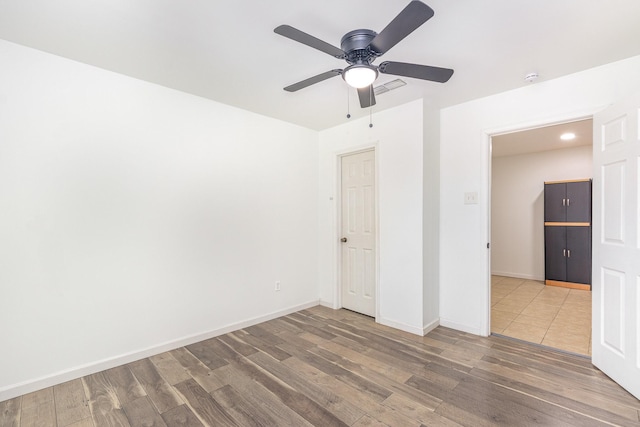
(393, 84)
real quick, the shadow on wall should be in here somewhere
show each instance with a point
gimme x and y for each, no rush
(538, 234)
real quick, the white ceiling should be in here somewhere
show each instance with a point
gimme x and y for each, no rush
(227, 50)
(542, 139)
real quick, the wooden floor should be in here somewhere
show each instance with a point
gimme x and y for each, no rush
(334, 368)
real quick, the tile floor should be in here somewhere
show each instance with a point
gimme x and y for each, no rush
(547, 315)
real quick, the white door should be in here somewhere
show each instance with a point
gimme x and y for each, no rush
(358, 281)
(616, 244)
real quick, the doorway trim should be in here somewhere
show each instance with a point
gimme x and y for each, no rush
(338, 155)
(486, 183)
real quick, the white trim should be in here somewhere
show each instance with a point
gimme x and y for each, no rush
(15, 390)
(464, 328)
(582, 114)
(329, 304)
(402, 326)
(430, 327)
(485, 327)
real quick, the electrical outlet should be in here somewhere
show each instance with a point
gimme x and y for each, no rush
(471, 198)
(277, 285)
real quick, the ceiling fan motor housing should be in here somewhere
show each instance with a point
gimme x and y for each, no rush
(355, 45)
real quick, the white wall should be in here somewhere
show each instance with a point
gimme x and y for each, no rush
(134, 218)
(431, 217)
(397, 136)
(464, 166)
(517, 206)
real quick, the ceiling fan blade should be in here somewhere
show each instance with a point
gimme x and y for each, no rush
(415, 14)
(367, 98)
(312, 80)
(424, 72)
(304, 38)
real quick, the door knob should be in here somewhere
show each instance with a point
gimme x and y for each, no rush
(343, 240)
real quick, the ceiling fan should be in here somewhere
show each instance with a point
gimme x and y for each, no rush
(361, 47)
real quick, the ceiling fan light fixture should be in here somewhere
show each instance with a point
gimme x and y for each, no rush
(360, 47)
(360, 75)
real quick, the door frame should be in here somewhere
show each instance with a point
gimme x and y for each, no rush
(338, 221)
(486, 179)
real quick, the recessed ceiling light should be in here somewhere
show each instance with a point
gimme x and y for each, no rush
(568, 136)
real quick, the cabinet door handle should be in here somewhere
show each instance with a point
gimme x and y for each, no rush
(564, 202)
(568, 200)
(564, 252)
(568, 253)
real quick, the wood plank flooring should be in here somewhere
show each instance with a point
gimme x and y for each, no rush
(322, 367)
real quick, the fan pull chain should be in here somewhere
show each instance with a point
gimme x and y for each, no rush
(370, 106)
(348, 105)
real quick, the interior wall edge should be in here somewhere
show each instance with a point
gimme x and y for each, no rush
(430, 327)
(15, 390)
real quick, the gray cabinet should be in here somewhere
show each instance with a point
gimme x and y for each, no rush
(567, 201)
(567, 233)
(568, 254)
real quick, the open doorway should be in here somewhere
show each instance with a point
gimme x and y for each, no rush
(522, 306)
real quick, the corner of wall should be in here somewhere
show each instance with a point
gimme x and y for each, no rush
(431, 216)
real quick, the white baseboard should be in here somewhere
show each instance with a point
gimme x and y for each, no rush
(460, 327)
(516, 275)
(430, 327)
(15, 390)
(401, 326)
(328, 304)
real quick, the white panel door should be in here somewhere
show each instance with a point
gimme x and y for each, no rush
(616, 243)
(358, 232)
